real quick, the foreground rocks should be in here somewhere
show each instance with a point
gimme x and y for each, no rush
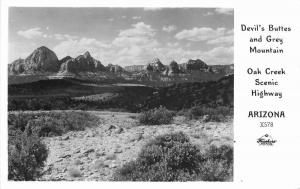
(94, 154)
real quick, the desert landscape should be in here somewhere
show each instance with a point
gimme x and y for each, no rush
(75, 118)
(107, 129)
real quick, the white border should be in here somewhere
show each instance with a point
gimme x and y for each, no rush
(239, 6)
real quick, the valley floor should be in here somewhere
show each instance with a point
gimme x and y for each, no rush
(94, 154)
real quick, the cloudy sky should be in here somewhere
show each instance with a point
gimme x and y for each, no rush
(124, 36)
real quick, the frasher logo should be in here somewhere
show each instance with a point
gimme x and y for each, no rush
(266, 140)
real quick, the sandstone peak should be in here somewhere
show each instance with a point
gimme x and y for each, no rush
(155, 65)
(43, 48)
(174, 68)
(41, 59)
(87, 54)
(195, 65)
(155, 60)
(82, 63)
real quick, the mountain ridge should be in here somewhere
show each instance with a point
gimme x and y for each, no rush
(44, 61)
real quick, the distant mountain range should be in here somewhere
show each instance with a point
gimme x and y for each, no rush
(43, 62)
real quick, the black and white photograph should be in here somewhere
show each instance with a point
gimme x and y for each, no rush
(120, 94)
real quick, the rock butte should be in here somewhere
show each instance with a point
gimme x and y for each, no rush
(43, 60)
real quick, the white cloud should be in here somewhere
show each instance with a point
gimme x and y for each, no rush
(36, 33)
(221, 52)
(169, 28)
(176, 44)
(59, 36)
(136, 17)
(134, 41)
(32, 33)
(138, 45)
(226, 11)
(111, 19)
(75, 47)
(140, 34)
(219, 36)
(138, 29)
(227, 39)
(200, 34)
(218, 55)
(139, 41)
(133, 45)
(221, 40)
(124, 16)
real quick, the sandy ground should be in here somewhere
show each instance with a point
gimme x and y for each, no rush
(94, 154)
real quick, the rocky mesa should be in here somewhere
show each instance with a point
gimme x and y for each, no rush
(44, 61)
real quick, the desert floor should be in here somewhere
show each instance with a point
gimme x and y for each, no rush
(94, 154)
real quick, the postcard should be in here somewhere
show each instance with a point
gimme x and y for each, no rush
(150, 94)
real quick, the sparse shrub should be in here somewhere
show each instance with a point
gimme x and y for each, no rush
(218, 164)
(19, 120)
(26, 156)
(46, 126)
(168, 140)
(51, 123)
(216, 114)
(172, 157)
(74, 172)
(200, 135)
(169, 157)
(156, 116)
(26, 151)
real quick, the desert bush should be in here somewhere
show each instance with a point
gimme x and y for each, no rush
(172, 157)
(156, 116)
(218, 164)
(217, 114)
(26, 151)
(51, 123)
(26, 157)
(19, 120)
(46, 126)
(169, 157)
